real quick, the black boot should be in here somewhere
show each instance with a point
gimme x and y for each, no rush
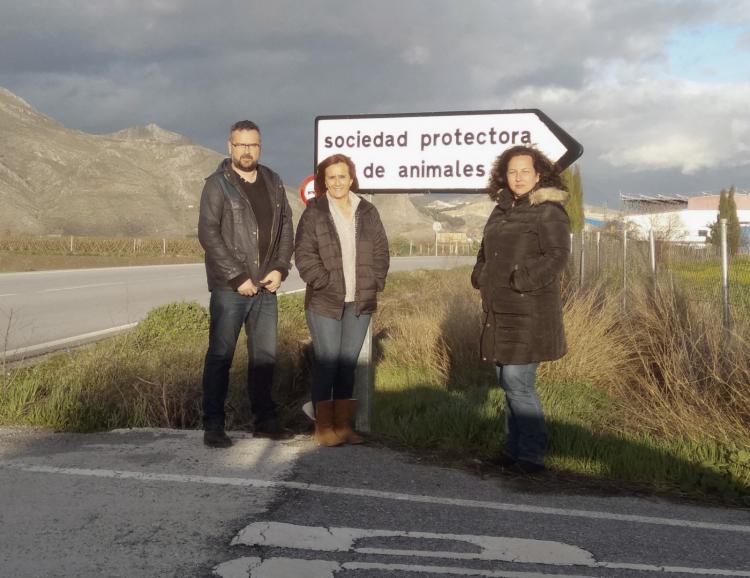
(216, 439)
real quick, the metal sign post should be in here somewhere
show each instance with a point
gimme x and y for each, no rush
(364, 384)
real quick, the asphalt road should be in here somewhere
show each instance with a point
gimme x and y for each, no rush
(48, 310)
(156, 503)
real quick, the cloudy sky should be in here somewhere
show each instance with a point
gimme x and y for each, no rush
(658, 92)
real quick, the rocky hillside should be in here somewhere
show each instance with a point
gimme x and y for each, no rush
(473, 214)
(135, 182)
(140, 181)
(401, 218)
(465, 213)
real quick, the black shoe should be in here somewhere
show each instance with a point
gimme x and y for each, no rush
(528, 468)
(272, 429)
(216, 439)
(503, 461)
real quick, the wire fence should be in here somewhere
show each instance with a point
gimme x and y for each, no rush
(704, 273)
(181, 246)
(406, 248)
(103, 246)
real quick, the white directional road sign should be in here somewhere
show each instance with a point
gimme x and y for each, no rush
(451, 151)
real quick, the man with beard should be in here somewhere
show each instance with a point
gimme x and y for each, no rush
(245, 228)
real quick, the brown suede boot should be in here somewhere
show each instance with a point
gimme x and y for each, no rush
(324, 434)
(343, 417)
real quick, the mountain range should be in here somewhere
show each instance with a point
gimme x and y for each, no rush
(139, 181)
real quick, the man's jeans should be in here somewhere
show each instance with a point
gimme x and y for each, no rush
(337, 343)
(229, 311)
(524, 417)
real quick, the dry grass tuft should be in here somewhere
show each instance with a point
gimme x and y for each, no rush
(692, 378)
(599, 350)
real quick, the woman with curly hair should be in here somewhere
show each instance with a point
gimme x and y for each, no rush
(524, 251)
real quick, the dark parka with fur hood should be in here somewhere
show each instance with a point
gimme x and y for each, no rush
(317, 255)
(524, 251)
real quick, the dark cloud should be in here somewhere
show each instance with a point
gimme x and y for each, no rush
(193, 67)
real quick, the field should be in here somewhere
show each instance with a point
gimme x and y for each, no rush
(11, 261)
(702, 281)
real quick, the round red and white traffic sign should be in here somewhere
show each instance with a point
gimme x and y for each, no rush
(307, 189)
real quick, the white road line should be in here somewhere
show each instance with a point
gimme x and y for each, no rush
(336, 539)
(450, 571)
(490, 548)
(32, 350)
(453, 571)
(437, 500)
(81, 287)
(677, 569)
(253, 567)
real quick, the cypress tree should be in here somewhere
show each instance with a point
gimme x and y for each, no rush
(574, 207)
(728, 211)
(733, 224)
(714, 232)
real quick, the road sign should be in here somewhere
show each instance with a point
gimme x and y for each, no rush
(439, 151)
(454, 237)
(437, 226)
(307, 189)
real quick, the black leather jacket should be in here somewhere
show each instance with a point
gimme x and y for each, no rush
(228, 230)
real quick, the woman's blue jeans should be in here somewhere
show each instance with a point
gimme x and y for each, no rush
(229, 312)
(524, 417)
(337, 343)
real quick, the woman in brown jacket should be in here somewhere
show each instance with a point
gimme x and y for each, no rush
(523, 254)
(341, 252)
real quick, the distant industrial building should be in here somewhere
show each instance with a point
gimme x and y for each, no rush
(597, 217)
(680, 218)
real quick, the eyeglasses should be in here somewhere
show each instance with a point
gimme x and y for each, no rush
(252, 146)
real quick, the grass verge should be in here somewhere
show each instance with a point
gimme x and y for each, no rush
(639, 398)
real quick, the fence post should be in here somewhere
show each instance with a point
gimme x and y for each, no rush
(726, 317)
(598, 252)
(582, 265)
(163, 246)
(624, 267)
(652, 255)
(652, 252)
(411, 245)
(71, 243)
